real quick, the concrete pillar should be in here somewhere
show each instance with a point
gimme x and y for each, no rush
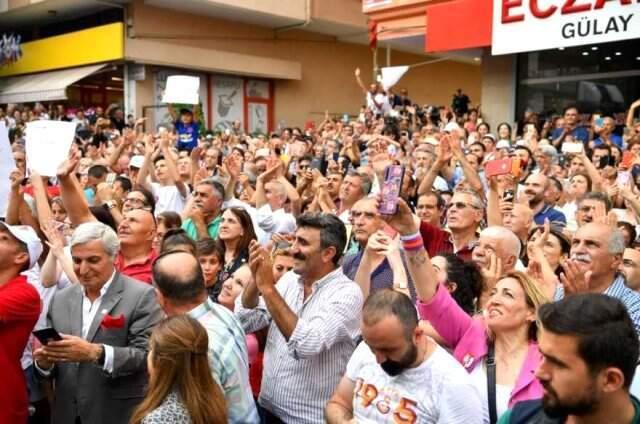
(498, 97)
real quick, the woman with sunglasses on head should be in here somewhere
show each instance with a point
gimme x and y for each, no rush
(282, 260)
(498, 348)
(181, 386)
(235, 234)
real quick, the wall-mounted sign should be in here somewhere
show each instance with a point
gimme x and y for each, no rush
(529, 25)
(10, 50)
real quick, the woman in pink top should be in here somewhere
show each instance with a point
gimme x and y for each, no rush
(508, 323)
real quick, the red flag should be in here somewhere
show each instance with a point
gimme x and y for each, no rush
(373, 34)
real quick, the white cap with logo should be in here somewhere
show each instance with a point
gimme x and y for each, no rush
(28, 236)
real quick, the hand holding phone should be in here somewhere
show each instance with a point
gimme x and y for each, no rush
(393, 176)
(497, 167)
(46, 335)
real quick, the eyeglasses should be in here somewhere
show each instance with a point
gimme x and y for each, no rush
(461, 205)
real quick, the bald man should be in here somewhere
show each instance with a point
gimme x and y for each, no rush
(519, 221)
(505, 246)
(180, 290)
(498, 241)
(136, 233)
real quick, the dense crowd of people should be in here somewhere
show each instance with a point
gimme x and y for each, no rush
(181, 276)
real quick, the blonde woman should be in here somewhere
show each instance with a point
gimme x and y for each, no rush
(499, 348)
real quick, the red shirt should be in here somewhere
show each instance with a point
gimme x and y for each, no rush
(436, 241)
(140, 271)
(19, 310)
(52, 191)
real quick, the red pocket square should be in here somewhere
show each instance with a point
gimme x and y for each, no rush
(112, 322)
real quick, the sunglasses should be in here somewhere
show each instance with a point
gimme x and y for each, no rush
(461, 205)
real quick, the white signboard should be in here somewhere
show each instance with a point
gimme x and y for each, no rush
(47, 145)
(161, 114)
(181, 89)
(228, 101)
(6, 166)
(530, 25)
(258, 118)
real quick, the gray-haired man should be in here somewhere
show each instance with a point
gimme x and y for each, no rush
(596, 255)
(99, 367)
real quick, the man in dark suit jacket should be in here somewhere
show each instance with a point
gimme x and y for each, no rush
(99, 366)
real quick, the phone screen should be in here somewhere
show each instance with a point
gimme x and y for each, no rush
(391, 187)
(46, 335)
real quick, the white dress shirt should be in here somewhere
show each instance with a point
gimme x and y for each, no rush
(301, 373)
(89, 310)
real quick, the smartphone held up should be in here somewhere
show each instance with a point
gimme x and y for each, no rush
(391, 187)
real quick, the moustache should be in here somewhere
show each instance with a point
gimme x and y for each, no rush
(299, 256)
(581, 257)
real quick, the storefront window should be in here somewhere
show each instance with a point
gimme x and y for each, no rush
(600, 78)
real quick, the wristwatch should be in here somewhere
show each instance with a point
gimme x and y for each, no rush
(110, 204)
(100, 360)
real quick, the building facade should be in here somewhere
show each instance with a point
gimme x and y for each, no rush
(267, 64)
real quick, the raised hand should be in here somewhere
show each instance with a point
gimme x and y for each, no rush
(16, 178)
(443, 151)
(149, 145)
(196, 153)
(55, 240)
(378, 245)
(574, 279)
(68, 165)
(232, 166)
(492, 272)
(404, 222)
(261, 267)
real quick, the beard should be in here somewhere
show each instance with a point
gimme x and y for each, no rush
(556, 408)
(394, 368)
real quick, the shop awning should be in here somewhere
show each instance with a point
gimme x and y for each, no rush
(43, 86)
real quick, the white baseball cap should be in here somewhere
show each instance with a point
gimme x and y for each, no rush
(28, 236)
(451, 127)
(136, 161)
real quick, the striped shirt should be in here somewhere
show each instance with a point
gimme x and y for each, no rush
(618, 289)
(301, 374)
(228, 360)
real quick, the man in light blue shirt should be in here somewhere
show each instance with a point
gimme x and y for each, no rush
(179, 284)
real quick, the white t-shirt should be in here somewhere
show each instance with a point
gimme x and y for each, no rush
(278, 221)
(382, 100)
(503, 393)
(437, 391)
(168, 198)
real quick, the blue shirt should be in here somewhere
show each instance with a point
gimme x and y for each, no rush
(555, 217)
(228, 359)
(187, 135)
(615, 139)
(579, 133)
(619, 290)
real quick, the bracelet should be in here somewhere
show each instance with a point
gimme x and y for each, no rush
(413, 245)
(411, 236)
